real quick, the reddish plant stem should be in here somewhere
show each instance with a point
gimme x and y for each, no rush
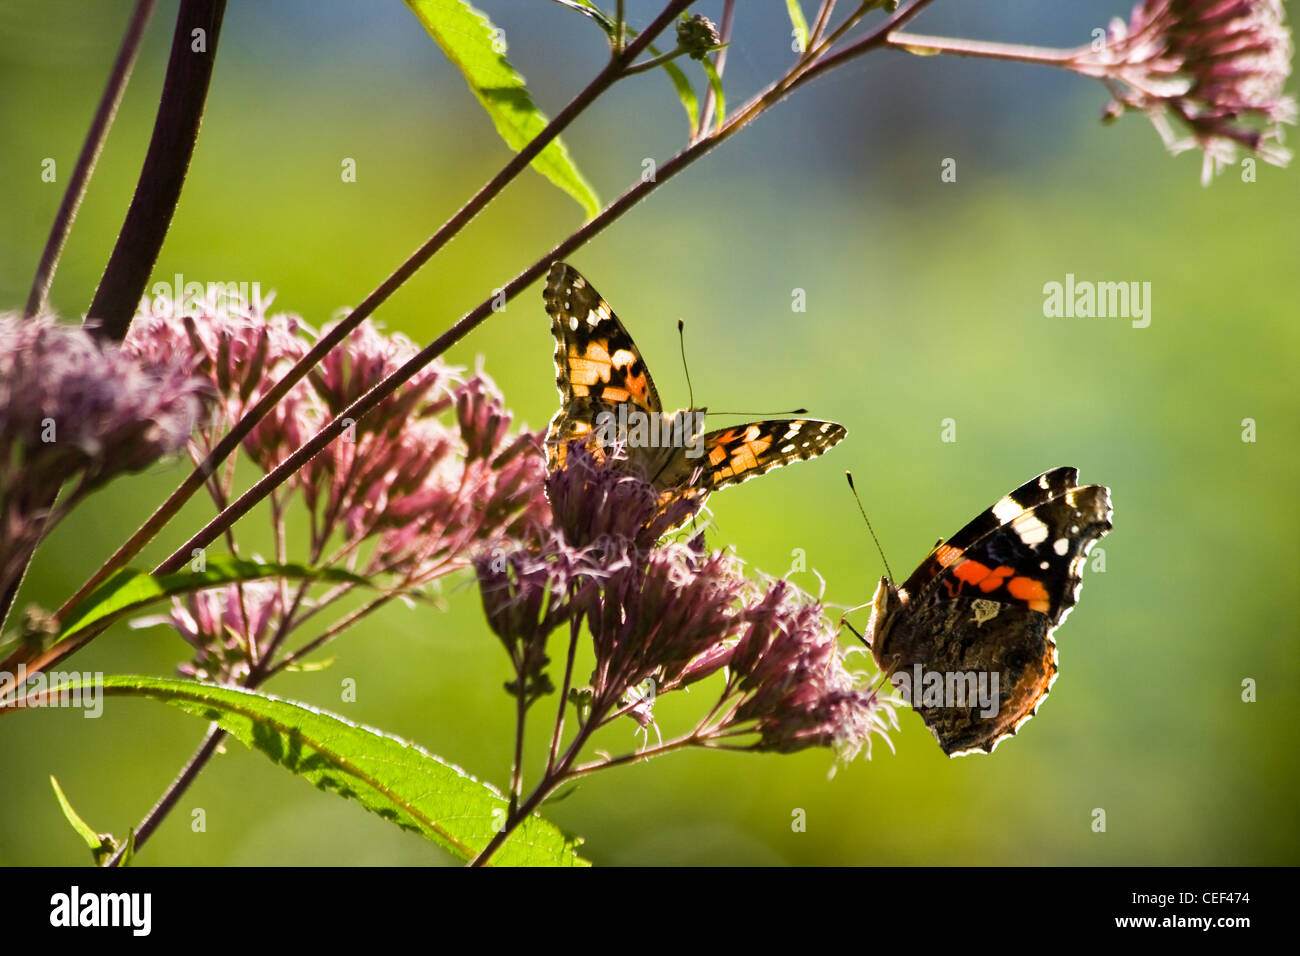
(175, 132)
(90, 150)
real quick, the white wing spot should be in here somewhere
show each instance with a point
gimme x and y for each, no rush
(573, 323)
(1060, 546)
(1030, 530)
(1006, 509)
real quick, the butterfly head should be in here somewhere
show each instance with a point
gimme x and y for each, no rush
(888, 600)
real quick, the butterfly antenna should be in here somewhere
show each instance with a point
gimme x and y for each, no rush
(681, 337)
(849, 476)
(792, 411)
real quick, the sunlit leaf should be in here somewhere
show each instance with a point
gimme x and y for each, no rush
(478, 48)
(401, 782)
(798, 22)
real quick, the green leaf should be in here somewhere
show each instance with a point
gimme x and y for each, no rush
(131, 589)
(84, 829)
(590, 10)
(129, 853)
(685, 92)
(397, 780)
(101, 844)
(798, 22)
(715, 81)
(470, 41)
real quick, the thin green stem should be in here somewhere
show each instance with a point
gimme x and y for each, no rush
(653, 62)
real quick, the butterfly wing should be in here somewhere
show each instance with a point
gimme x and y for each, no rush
(1027, 549)
(729, 456)
(978, 669)
(598, 367)
(987, 602)
(733, 455)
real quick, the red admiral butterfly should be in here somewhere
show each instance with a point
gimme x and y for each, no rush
(968, 637)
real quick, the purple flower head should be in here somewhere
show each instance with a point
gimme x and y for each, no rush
(242, 355)
(481, 416)
(364, 359)
(654, 615)
(71, 407)
(594, 500)
(528, 593)
(665, 616)
(226, 626)
(793, 683)
(462, 506)
(1217, 67)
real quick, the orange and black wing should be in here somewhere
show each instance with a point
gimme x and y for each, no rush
(598, 367)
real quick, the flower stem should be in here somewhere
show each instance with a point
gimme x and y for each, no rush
(174, 791)
(175, 132)
(575, 629)
(719, 64)
(876, 38)
(678, 743)
(925, 45)
(89, 156)
(653, 62)
(819, 26)
(521, 720)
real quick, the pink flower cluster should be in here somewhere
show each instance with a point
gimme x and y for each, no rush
(76, 412)
(1217, 67)
(666, 616)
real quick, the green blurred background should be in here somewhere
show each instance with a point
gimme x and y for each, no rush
(924, 302)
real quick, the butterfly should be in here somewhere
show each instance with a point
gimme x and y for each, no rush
(609, 400)
(968, 637)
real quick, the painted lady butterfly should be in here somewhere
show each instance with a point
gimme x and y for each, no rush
(609, 400)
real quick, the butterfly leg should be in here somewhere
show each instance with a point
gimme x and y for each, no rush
(844, 622)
